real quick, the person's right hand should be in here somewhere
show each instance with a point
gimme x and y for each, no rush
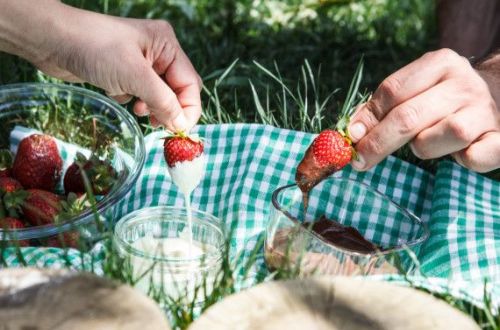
(439, 104)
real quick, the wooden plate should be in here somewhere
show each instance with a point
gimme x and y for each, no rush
(332, 303)
(50, 299)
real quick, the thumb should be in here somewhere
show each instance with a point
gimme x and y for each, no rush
(159, 99)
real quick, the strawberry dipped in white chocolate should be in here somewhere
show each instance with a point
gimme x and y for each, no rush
(186, 161)
(186, 165)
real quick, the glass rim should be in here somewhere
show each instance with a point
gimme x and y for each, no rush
(147, 213)
(108, 200)
(391, 250)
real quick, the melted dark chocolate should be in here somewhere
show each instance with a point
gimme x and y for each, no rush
(309, 174)
(342, 236)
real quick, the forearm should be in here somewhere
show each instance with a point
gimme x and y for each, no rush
(25, 27)
(489, 69)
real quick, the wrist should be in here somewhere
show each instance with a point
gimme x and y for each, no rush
(493, 83)
(489, 70)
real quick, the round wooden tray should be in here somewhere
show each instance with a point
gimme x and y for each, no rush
(332, 303)
(51, 299)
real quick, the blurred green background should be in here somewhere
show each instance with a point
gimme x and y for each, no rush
(311, 46)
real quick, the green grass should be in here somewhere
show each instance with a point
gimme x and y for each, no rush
(313, 46)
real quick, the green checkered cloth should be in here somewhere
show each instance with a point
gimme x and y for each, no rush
(465, 228)
(246, 163)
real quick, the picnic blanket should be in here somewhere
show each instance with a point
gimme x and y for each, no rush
(247, 162)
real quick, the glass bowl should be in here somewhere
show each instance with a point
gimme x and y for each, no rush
(155, 244)
(394, 230)
(80, 120)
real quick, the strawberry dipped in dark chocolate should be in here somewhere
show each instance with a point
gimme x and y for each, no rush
(329, 152)
(332, 149)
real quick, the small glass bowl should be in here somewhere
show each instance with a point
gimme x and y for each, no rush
(81, 119)
(377, 218)
(138, 237)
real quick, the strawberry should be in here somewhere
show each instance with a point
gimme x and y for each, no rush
(6, 172)
(69, 239)
(5, 163)
(101, 174)
(331, 150)
(37, 164)
(41, 207)
(10, 223)
(72, 206)
(181, 147)
(9, 185)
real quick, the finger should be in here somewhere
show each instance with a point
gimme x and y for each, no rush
(362, 121)
(186, 83)
(154, 122)
(122, 99)
(159, 99)
(404, 84)
(404, 122)
(482, 155)
(453, 133)
(141, 109)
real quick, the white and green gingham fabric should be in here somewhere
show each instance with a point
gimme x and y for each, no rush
(465, 226)
(247, 162)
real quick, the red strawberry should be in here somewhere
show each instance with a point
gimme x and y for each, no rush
(332, 149)
(37, 164)
(100, 173)
(10, 223)
(329, 152)
(6, 172)
(180, 148)
(68, 239)
(41, 207)
(8, 185)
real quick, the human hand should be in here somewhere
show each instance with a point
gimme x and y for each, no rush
(125, 57)
(439, 104)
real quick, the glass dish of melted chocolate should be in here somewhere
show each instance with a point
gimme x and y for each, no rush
(355, 229)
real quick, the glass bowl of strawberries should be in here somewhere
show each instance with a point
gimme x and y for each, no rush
(348, 228)
(67, 156)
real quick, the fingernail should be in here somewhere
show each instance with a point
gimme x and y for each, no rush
(180, 123)
(357, 131)
(142, 114)
(359, 162)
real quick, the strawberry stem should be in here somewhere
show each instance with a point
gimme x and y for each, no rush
(183, 135)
